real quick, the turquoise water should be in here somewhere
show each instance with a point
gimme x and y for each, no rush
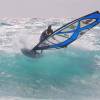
(56, 74)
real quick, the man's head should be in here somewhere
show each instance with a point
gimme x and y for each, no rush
(49, 27)
(49, 30)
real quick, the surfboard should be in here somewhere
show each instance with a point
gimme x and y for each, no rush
(30, 53)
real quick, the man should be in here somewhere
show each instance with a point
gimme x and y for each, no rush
(43, 36)
(46, 33)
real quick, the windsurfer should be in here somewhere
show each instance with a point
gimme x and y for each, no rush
(43, 36)
(46, 33)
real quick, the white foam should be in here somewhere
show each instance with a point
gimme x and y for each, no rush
(87, 41)
(20, 98)
(97, 28)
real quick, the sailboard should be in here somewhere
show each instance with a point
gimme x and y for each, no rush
(68, 33)
(30, 53)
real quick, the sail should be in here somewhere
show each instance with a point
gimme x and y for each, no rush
(69, 32)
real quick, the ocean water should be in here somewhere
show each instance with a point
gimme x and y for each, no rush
(71, 73)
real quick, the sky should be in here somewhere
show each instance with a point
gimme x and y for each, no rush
(47, 8)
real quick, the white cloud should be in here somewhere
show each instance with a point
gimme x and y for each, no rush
(47, 8)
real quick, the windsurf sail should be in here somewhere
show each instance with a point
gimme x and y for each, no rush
(69, 32)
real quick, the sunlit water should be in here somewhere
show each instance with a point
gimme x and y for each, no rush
(72, 73)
